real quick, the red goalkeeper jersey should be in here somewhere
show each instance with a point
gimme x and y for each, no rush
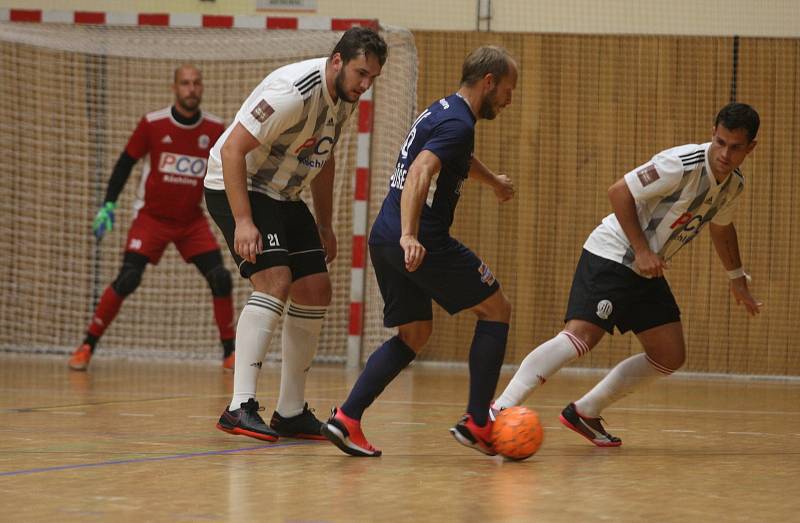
(171, 187)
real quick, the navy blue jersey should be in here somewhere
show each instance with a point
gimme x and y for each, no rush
(447, 129)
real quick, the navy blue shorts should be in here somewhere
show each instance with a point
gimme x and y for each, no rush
(453, 276)
(609, 294)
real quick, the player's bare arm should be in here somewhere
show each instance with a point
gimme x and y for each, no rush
(624, 206)
(726, 243)
(322, 190)
(247, 238)
(501, 184)
(415, 191)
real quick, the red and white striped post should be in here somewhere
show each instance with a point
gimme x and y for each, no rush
(323, 23)
(360, 227)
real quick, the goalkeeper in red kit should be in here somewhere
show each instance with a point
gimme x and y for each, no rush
(167, 209)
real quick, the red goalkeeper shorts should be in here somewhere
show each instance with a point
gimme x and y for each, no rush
(150, 237)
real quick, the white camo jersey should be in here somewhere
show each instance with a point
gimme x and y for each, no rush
(292, 115)
(676, 196)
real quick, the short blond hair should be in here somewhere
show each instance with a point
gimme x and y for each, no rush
(487, 59)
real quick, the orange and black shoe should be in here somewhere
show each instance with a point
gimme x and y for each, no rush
(245, 421)
(590, 428)
(80, 358)
(345, 432)
(303, 426)
(469, 434)
(229, 362)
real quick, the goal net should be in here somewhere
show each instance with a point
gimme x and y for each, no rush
(70, 97)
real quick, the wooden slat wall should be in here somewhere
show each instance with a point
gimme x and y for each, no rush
(769, 75)
(586, 110)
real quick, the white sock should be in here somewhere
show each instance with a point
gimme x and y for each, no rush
(542, 362)
(299, 340)
(253, 331)
(629, 375)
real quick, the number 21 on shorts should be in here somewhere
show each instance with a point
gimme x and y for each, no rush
(272, 239)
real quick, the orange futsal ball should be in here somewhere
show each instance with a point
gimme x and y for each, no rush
(517, 433)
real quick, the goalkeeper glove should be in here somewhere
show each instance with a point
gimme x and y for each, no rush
(104, 220)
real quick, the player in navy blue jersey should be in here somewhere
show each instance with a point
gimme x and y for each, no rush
(417, 261)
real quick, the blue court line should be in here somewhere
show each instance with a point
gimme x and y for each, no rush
(159, 458)
(22, 410)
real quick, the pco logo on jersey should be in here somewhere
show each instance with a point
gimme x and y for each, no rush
(691, 225)
(171, 163)
(320, 147)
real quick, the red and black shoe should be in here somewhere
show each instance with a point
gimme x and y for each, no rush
(590, 428)
(246, 421)
(469, 434)
(345, 432)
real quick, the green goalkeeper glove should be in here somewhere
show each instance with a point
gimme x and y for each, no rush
(104, 220)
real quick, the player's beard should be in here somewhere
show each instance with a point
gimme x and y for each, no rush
(190, 104)
(488, 110)
(341, 92)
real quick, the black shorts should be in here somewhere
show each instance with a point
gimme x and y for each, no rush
(288, 232)
(610, 294)
(453, 276)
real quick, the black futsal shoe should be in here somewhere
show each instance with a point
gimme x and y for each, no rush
(304, 426)
(246, 421)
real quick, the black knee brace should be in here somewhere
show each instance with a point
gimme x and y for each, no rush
(219, 279)
(213, 270)
(130, 274)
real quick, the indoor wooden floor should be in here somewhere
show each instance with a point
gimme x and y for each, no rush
(135, 441)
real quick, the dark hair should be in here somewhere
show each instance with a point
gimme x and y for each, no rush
(361, 40)
(739, 116)
(487, 59)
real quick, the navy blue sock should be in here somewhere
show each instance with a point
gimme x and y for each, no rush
(382, 367)
(485, 360)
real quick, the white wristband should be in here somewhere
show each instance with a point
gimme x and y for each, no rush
(738, 273)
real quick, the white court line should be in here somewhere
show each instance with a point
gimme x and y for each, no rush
(749, 433)
(708, 411)
(68, 413)
(612, 409)
(136, 415)
(680, 431)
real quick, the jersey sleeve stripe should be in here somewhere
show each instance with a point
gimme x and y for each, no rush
(693, 158)
(303, 82)
(213, 118)
(159, 115)
(692, 153)
(305, 90)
